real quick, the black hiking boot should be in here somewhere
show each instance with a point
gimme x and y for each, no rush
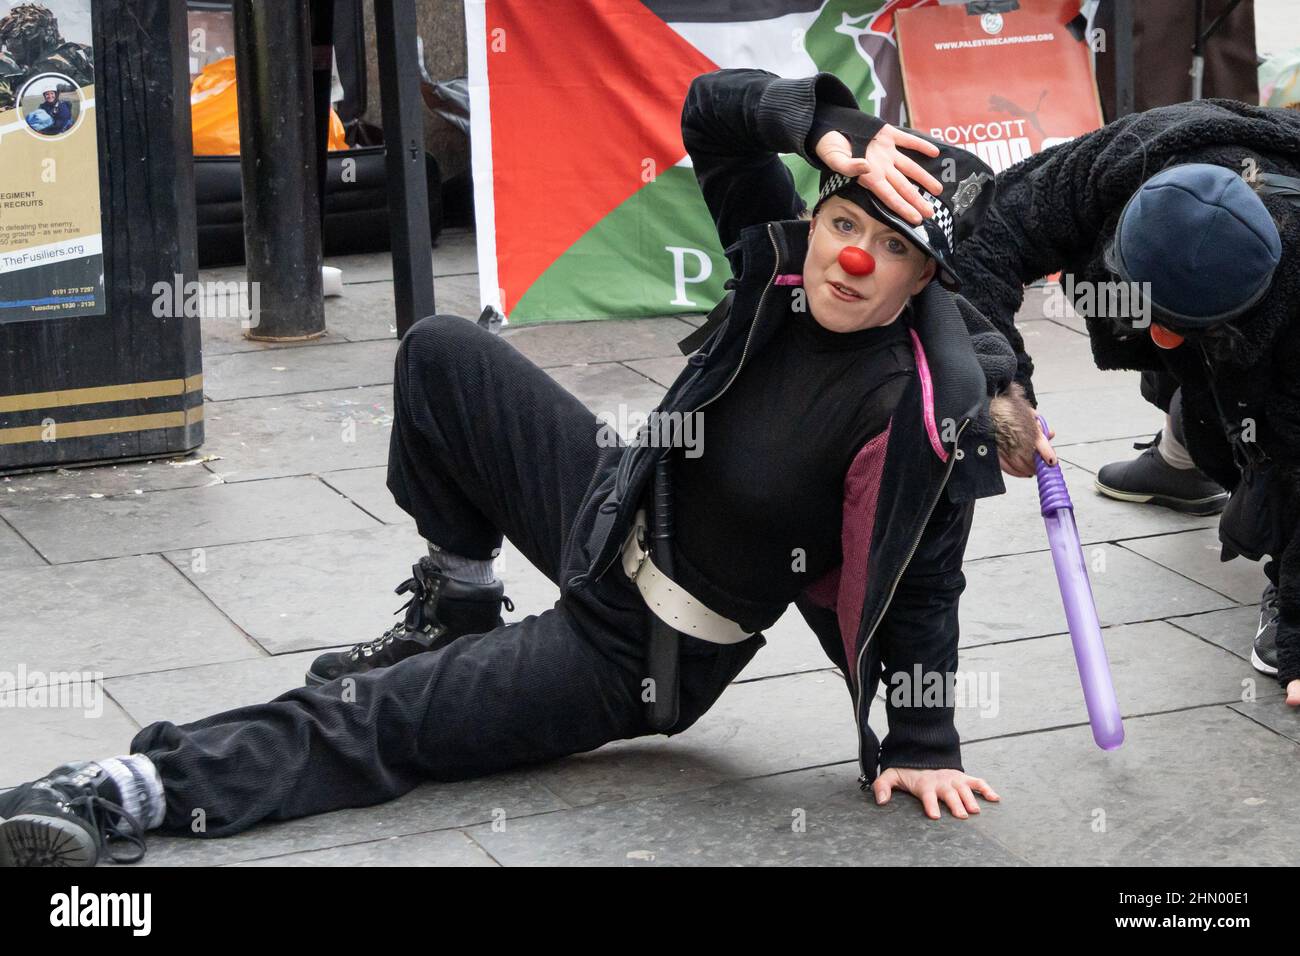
(440, 610)
(70, 817)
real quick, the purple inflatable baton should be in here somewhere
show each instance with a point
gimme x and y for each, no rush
(1080, 609)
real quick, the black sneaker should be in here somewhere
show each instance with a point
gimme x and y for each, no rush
(1263, 656)
(440, 610)
(67, 818)
(1148, 478)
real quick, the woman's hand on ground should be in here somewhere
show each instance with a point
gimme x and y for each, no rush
(1293, 693)
(884, 170)
(953, 787)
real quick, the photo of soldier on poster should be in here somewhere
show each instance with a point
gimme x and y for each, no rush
(31, 44)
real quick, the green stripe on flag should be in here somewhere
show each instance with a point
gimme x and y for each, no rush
(624, 261)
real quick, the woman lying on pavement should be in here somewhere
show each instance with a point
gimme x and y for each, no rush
(851, 426)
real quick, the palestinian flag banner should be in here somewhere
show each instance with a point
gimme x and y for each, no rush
(1024, 82)
(585, 200)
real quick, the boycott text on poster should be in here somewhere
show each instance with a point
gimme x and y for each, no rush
(1002, 85)
(51, 254)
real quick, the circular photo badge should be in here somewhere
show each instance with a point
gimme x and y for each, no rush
(50, 105)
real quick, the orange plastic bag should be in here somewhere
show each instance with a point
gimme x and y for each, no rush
(214, 112)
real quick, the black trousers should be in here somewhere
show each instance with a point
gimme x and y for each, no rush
(484, 443)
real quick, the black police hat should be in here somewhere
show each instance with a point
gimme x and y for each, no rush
(968, 188)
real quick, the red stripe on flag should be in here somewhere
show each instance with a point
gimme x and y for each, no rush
(582, 95)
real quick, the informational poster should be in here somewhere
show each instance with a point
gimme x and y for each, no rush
(51, 243)
(1002, 85)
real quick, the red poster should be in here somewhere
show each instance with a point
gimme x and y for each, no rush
(1002, 85)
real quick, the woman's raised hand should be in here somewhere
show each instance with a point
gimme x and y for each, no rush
(884, 170)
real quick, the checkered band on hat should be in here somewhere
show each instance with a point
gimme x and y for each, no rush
(942, 216)
(835, 182)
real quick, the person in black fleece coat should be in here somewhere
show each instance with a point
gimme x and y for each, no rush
(1059, 210)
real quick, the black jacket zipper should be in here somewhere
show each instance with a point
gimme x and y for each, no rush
(857, 707)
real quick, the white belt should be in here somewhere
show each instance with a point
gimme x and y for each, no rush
(669, 601)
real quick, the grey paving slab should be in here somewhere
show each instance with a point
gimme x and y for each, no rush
(531, 591)
(662, 370)
(755, 728)
(286, 371)
(329, 590)
(443, 848)
(318, 590)
(505, 797)
(610, 389)
(1196, 787)
(1012, 523)
(15, 552)
(1091, 456)
(223, 334)
(191, 692)
(367, 311)
(1272, 713)
(457, 295)
(282, 435)
(1017, 596)
(39, 738)
(368, 487)
(131, 615)
(1096, 414)
(813, 817)
(187, 518)
(364, 312)
(1195, 554)
(1232, 629)
(1033, 685)
(1063, 360)
(454, 252)
(608, 340)
(127, 478)
(792, 648)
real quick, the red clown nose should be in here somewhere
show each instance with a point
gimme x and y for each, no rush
(857, 262)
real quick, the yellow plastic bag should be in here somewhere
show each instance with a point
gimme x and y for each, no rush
(214, 112)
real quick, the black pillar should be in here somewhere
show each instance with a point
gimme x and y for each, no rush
(408, 199)
(277, 147)
(322, 62)
(1124, 81)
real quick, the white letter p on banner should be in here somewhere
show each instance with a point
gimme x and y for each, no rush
(681, 279)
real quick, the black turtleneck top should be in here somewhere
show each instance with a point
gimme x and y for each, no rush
(758, 513)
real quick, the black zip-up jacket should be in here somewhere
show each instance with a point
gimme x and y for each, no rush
(893, 606)
(1057, 211)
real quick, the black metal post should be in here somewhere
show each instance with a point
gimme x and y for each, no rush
(408, 200)
(322, 74)
(1125, 94)
(282, 235)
